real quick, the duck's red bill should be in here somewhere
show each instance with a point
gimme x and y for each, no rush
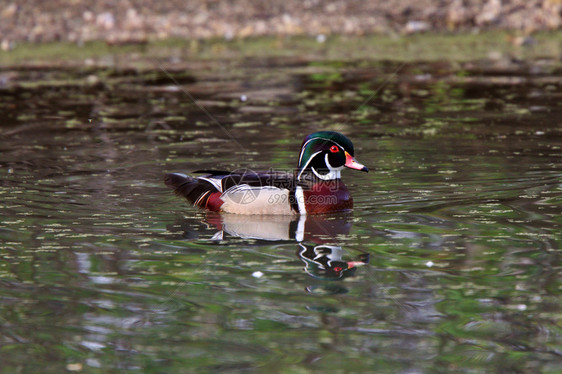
(352, 163)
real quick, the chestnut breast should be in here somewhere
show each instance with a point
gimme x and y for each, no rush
(327, 196)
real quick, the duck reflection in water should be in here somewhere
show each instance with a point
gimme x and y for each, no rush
(325, 261)
(314, 235)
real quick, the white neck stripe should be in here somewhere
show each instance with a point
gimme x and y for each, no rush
(299, 196)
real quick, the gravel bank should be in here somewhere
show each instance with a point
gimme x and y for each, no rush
(141, 20)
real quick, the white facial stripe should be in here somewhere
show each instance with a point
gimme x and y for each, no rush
(337, 144)
(329, 165)
(306, 165)
(335, 173)
(303, 148)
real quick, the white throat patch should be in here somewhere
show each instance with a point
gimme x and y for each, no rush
(335, 173)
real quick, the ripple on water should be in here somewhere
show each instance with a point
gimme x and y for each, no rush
(459, 218)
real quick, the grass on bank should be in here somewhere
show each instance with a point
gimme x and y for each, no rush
(417, 47)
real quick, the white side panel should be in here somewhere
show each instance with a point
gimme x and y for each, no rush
(244, 199)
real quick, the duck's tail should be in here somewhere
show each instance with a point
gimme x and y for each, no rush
(198, 191)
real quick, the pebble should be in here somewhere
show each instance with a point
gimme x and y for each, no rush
(321, 38)
(416, 26)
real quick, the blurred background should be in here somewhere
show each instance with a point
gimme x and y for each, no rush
(138, 21)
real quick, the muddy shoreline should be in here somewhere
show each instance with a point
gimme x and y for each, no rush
(148, 20)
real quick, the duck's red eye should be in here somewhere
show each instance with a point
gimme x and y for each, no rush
(334, 149)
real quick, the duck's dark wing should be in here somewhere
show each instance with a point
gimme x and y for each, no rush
(203, 191)
(228, 179)
(251, 178)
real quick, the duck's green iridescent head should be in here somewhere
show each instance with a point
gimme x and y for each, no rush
(326, 153)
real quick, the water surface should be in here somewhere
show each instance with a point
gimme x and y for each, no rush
(454, 241)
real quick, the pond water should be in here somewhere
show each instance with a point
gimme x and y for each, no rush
(454, 239)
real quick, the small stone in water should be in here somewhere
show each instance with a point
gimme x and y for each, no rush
(416, 26)
(74, 367)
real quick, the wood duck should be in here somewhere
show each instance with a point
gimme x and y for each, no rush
(315, 187)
